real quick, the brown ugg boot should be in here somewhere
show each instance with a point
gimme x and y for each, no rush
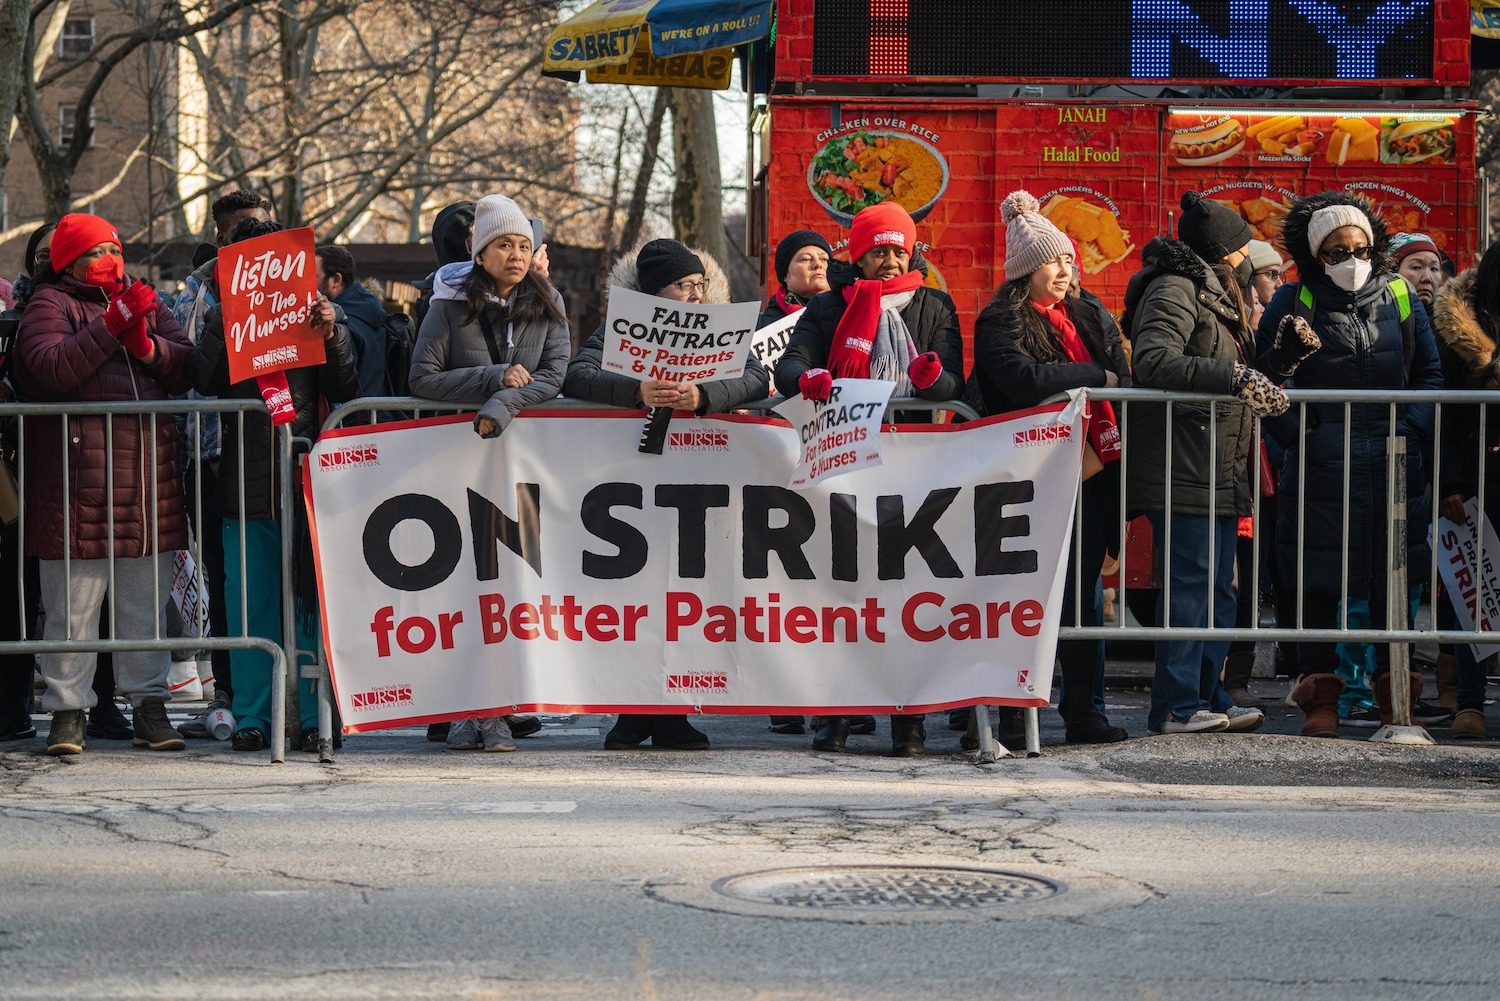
(1317, 695)
(1469, 725)
(1447, 681)
(1382, 686)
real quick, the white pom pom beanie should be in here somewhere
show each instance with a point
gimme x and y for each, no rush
(1030, 238)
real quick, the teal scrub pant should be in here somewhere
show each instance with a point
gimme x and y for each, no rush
(255, 572)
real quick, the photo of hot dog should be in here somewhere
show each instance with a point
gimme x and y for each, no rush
(1416, 142)
(1203, 145)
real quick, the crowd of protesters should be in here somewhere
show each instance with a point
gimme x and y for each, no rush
(1210, 311)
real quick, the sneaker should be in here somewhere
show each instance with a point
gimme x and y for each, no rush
(20, 728)
(308, 740)
(153, 729)
(249, 739)
(523, 726)
(495, 733)
(1201, 721)
(1361, 716)
(1431, 714)
(66, 736)
(197, 728)
(464, 735)
(1243, 719)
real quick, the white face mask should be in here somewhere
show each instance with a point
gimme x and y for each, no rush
(1351, 275)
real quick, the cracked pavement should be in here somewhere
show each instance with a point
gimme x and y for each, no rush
(1224, 865)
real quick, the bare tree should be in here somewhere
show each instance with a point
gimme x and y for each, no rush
(697, 202)
(15, 16)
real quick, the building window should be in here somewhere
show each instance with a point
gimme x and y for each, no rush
(77, 38)
(66, 119)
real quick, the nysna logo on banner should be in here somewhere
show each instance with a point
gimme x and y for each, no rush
(1047, 434)
(349, 457)
(385, 697)
(700, 440)
(699, 681)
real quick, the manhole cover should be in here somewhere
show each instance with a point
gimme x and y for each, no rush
(887, 889)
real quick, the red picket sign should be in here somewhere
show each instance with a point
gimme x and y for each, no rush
(269, 286)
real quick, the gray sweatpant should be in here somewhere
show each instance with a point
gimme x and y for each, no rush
(137, 601)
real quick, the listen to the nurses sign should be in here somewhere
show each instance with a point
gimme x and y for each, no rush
(464, 577)
(268, 286)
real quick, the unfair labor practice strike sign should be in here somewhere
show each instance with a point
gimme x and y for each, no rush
(462, 576)
(1468, 586)
(840, 434)
(647, 337)
(268, 286)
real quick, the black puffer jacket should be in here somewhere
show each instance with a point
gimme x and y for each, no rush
(930, 318)
(1363, 348)
(1187, 334)
(1011, 375)
(587, 380)
(335, 381)
(1470, 361)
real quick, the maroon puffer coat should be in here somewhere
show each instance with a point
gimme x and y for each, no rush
(65, 353)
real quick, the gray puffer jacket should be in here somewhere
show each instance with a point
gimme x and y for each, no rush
(1187, 334)
(452, 359)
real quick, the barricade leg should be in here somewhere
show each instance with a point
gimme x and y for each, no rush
(325, 712)
(1033, 733)
(990, 749)
(1401, 730)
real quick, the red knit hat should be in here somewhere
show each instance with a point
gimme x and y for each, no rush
(881, 225)
(77, 233)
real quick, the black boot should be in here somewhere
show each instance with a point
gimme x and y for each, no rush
(438, 732)
(1237, 667)
(629, 730)
(832, 732)
(520, 726)
(908, 736)
(1083, 723)
(861, 724)
(675, 733)
(1012, 725)
(787, 724)
(106, 722)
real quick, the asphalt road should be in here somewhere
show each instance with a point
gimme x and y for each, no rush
(1226, 866)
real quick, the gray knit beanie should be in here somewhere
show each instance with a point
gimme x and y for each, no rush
(496, 216)
(1030, 238)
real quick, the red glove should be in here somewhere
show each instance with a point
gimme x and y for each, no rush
(924, 370)
(136, 340)
(816, 383)
(129, 306)
(278, 396)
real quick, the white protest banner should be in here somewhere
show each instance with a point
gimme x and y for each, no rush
(769, 342)
(554, 570)
(188, 595)
(1465, 586)
(649, 337)
(839, 435)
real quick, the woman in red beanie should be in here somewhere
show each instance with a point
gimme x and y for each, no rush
(96, 334)
(877, 321)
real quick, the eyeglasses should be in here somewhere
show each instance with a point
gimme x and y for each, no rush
(1338, 255)
(688, 288)
(1272, 273)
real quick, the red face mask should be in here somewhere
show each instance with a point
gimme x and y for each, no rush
(107, 272)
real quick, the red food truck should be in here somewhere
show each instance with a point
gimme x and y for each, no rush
(1107, 111)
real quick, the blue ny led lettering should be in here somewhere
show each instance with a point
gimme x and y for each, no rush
(1244, 50)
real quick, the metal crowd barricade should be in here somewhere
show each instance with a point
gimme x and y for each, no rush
(989, 748)
(31, 414)
(1381, 405)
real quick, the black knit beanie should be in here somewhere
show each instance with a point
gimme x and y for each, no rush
(662, 262)
(793, 242)
(1214, 231)
(450, 232)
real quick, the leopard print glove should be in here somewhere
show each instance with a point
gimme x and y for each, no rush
(1261, 395)
(1296, 341)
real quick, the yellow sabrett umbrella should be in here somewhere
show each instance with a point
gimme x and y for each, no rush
(657, 43)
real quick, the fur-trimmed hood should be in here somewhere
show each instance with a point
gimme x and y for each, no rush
(1165, 256)
(1457, 326)
(1294, 232)
(625, 275)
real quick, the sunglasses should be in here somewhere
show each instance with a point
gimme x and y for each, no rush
(1338, 255)
(1272, 273)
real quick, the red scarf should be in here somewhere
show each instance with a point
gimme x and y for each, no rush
(854, 338)
(1103, 429)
